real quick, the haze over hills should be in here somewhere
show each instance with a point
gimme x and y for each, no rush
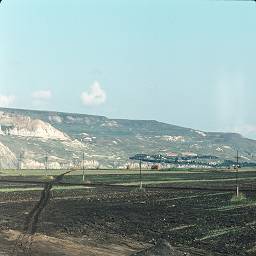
(26, 136)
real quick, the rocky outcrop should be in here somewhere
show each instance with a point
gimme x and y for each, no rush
(18, 125)
(7, 158)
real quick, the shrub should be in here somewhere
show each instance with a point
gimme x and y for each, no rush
(237, 199)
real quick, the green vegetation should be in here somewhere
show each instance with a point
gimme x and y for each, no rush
(238, 198)
(172, 177)
(21, 189)
(185, 176)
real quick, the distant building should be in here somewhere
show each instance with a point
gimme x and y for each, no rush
(155, 167)
(171, 154)
(188, 154)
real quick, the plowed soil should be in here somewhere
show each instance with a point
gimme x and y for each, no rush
(113, 221)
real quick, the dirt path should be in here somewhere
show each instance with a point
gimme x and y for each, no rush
(43, 245)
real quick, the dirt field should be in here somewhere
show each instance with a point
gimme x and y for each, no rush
(113, 221)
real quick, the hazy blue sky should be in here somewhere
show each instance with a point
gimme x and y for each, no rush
(190, 63)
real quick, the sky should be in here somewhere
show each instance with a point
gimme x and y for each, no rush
(188, 63)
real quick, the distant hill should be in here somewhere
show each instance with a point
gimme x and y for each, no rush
(28, 136)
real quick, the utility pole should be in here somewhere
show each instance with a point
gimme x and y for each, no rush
(20, 162)
(46, 163)
(140, 176)
(83, 167)
(236, 168)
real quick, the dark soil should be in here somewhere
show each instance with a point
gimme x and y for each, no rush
(186, 219)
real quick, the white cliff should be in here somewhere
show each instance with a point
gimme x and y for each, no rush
(18, 125)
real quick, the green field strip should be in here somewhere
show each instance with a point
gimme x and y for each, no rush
(219, 232)
(194, 196)
(19, 189)
(95, 172)
(233, 207)
(177, 180)
(223, 231)
(182, 227)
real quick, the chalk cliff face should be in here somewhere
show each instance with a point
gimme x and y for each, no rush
(65, 137)
(18, 125)
(7, 157)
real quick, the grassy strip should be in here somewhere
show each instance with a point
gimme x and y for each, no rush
(96, 172)
(177, 180)
(219, 232)
(246, 204)
(20, 189)
(223, 231)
